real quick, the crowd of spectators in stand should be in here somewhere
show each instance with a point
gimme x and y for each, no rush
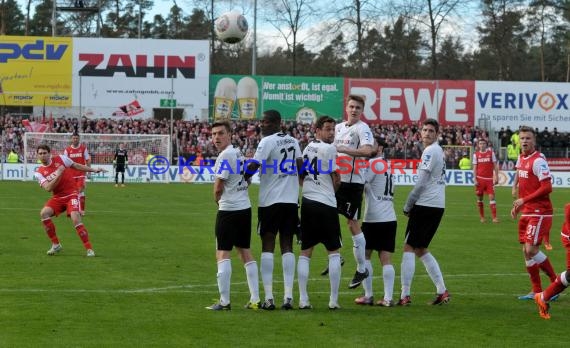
(193, 138)
(551, 143)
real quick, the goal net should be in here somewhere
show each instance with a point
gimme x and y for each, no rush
(101, 147)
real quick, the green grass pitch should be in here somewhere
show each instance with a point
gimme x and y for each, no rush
(155, 271)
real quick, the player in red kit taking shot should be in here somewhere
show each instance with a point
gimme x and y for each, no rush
(485, 176)
(78, 154)
(54, 176)
(534, 183)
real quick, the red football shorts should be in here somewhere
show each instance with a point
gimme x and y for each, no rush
(60, 204)
(485, 186)
(532, 228)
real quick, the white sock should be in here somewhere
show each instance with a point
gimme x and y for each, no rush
(367, 283)
(408, 269)
(388, 275)
(303, 278)
(432, 267)
(224, 278)
(267, 274)
(359, 251)
(563, 279)
(252, 281)
(288, 263)
(334, 276)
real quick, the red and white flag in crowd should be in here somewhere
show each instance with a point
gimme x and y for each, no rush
(130, 109)
(34, 126)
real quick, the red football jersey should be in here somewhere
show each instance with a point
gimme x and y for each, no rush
(485, 162)
(45, 174)
(78, 155)
(532, 169)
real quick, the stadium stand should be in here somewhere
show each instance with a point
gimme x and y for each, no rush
(193, 137)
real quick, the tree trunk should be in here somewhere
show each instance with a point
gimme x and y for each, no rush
(358, 8)
(568, 67)
(433, 42)
(28, 6)
(542, 39)
(2, 19)
(294, 53)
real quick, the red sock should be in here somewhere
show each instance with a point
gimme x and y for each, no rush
(555, 288)
(82, 203)
(481, 209)
(50, 230)
(493, 206)
(547, 268)
(534, 273)
(82, 233)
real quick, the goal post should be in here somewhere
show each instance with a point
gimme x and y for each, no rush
(101, 148)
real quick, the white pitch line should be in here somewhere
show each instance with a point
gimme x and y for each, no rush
(112, 212)
(195, 288)
(139, 212)
(190, 291)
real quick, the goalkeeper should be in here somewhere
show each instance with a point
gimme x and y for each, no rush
(120, 162)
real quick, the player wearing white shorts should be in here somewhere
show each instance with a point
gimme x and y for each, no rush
(319, 217)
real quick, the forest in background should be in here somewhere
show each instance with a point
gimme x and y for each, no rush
(510, 40)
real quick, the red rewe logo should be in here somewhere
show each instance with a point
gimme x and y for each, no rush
(137, 66)
(408, 101)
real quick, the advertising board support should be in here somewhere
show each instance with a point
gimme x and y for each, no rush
(171, 118)
(80, 109)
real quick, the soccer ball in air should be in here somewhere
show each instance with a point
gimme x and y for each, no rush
(231, 27)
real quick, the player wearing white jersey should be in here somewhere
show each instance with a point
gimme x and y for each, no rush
(424, 207)
(353, 141)
(379, 226)
(319, 217)
(278, 157)
(233, 221)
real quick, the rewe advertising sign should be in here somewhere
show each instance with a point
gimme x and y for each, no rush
(409, 101)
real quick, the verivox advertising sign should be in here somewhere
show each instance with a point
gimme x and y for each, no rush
(535, 104)
(202, 175)
(129, 77)
(35, 70)
(296, 98)
(408, 101)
